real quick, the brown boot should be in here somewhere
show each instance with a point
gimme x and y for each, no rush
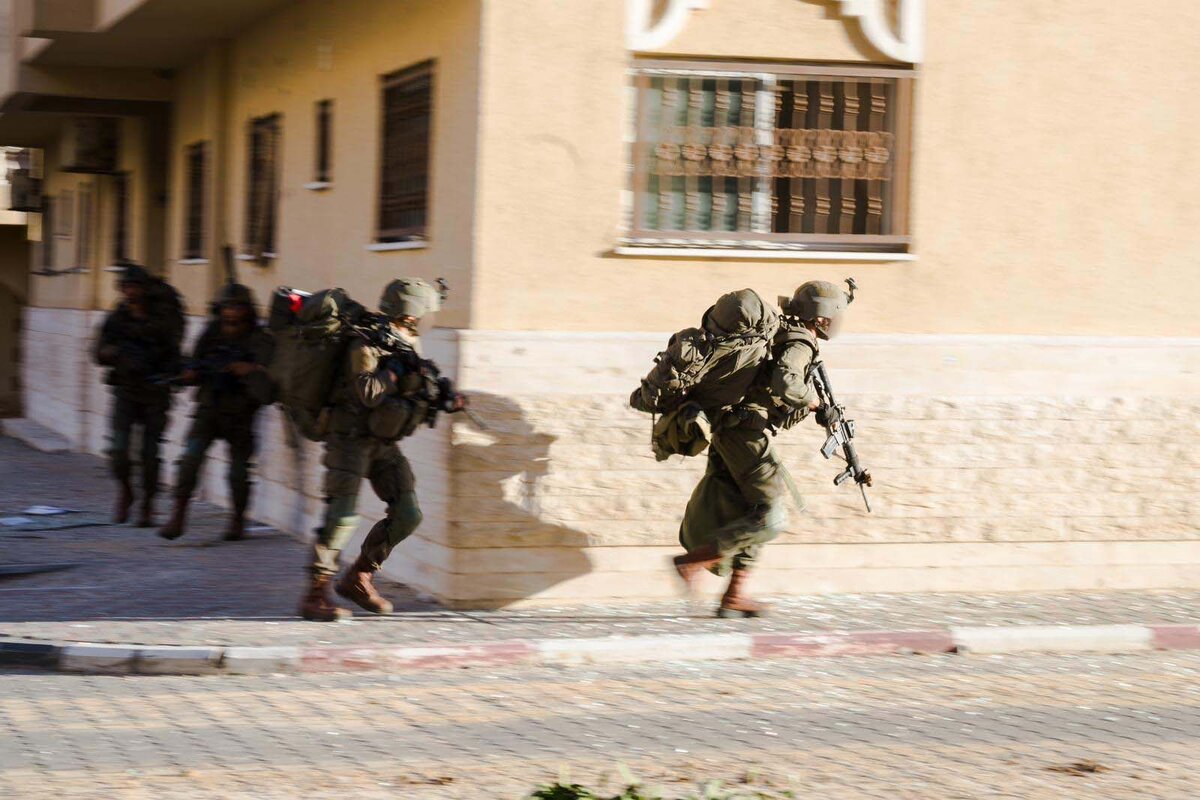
(691, 565)
(357, 587)
(736, 603)
(124, 503)
(176, 525)
(146, 519)
(317, 605)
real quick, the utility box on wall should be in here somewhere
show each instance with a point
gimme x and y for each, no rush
(90, 145)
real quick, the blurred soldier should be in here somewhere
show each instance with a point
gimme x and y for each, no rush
(384, 393)
(139, 342)
(229, 365)
(740, 503)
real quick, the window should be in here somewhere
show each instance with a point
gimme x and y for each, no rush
(83, 240)
(324, 172)
(196, 171)
(120, 218)
(63, 219)
(262, 191)
(404, 179)
(779, 157)
(49, 220)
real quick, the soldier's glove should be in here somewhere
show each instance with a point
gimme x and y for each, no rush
(821, 415)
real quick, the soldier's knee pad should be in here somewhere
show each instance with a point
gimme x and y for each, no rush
(771, 517)
(340, 522)
(404, 517)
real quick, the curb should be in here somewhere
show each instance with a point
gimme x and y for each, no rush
(84, 657)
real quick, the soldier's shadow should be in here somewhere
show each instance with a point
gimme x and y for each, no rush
(504, 544)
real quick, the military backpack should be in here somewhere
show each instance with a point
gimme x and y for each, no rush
(311, 337)
(706, 369)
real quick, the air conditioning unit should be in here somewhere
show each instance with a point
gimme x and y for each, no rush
(90, 145)
(26, 191)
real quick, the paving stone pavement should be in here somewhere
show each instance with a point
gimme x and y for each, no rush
(131, 587)
(942, 727)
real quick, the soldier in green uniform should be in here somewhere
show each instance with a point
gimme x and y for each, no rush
(139, 343)
(740, 503)
(376, 403)
(229, 366)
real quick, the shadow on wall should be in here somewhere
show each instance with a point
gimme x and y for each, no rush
(506, 548)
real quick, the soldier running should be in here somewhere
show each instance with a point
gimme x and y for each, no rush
(377, 401)
(732, 385)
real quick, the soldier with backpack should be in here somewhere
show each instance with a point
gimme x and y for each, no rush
(728, 387)
(139, 343)
(379, 391)
(229, 365)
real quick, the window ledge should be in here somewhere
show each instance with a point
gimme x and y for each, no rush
(383, 247)
(249, 257)
(190, 261)
(714, 253)
(318, 186)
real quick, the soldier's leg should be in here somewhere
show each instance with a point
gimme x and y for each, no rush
(200, 437)
(392, 479)
(154, 423)
(241, 455)
(346, 463)
(120, 436)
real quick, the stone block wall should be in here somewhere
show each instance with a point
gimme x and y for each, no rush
(1001, 463)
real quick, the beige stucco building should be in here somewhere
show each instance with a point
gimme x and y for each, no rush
(1007, 180)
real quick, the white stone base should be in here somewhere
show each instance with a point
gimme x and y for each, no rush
(1001, 464)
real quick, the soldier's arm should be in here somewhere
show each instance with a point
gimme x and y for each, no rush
(106, 342)
(258, 382)
(790, 380)
(370, 381)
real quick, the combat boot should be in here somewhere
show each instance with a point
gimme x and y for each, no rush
(124, 503)
(691, 565)
(317, 605)
(146, 519)
(236, 530)
(735, 603)
(358, 587)
(176, 525)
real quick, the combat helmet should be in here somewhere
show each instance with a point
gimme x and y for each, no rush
(817, 299)
(411, 297)
(133, 273)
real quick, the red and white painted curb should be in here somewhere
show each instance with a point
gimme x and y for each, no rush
(168, 660)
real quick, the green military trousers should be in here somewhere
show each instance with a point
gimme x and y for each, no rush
(208, 426)
(151, 414)
(348, 460)
(741, 502)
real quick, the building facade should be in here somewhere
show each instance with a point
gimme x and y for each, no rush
(1004, 179)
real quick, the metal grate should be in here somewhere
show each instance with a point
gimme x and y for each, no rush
(783, 156)
(324, 165)
(404, 179)
(196, 159)
(262, 202)
(120, 218)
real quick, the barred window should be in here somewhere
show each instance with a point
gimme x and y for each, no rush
(779, 157)
(49, 220)
(196, 171)
(262, 189)
(324, 165)
(83, 241)
(404, 177)
(120, 218)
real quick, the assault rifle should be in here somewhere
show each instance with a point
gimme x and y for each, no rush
(840, 433)
(438, 391)
(214, 367)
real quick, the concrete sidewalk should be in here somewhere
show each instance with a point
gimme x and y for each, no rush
(132, 602)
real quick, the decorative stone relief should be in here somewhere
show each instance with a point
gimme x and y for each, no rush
(644, 32)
